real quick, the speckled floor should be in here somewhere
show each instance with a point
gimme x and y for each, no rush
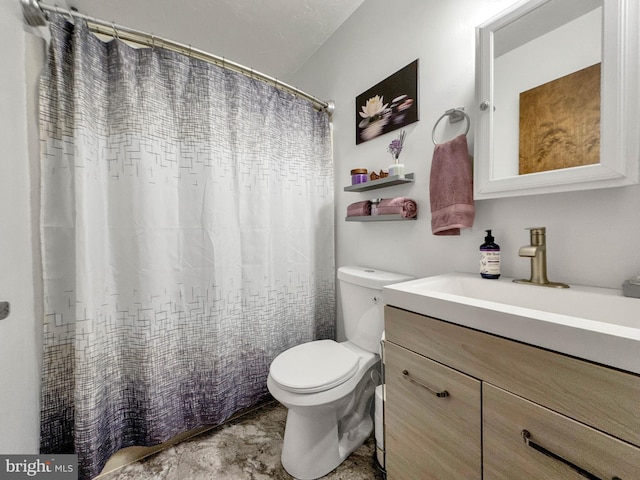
(246, 448)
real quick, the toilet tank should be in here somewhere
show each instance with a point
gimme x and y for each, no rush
(362, 303)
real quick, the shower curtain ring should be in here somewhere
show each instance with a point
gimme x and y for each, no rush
(153, 41)
(190, 50)
(70, 15)
(115, 30)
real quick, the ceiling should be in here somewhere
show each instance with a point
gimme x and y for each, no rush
(275, 37)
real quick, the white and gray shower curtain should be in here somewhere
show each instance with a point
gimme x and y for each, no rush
(187, 239)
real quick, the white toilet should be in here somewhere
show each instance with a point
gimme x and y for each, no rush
(327, 386)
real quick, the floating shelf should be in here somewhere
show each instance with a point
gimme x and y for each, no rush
(378, 218)
(381, 183)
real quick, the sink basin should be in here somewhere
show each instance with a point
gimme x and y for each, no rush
(596, 324)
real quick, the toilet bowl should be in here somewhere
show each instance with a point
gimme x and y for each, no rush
(328, 386)
(325, 425)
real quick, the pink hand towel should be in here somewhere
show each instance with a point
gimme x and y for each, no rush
(404, 206)
(359, 209)
(451, 188)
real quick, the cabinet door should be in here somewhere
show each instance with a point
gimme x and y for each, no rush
(556, 446)
(429, 436)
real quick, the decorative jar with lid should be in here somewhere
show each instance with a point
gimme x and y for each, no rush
(358, 175)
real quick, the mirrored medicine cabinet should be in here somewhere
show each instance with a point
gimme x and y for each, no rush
(557, 98)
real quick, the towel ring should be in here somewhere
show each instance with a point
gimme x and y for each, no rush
(455, 115)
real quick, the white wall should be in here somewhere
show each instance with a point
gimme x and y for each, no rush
(20, 333)
(592, 236)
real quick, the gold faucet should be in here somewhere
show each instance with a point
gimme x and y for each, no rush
(537, 251)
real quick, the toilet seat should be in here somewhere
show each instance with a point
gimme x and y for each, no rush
(314, 366)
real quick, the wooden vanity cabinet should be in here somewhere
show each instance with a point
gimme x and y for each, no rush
(543, 415)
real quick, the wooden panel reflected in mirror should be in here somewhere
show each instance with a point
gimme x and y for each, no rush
(560, 123)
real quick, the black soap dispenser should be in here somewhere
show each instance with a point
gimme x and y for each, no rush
(489, 258)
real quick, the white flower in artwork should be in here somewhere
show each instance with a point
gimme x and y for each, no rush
(373, 107)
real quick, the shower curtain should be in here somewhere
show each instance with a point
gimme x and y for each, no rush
(187, 239)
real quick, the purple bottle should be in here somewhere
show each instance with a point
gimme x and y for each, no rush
(489, 258)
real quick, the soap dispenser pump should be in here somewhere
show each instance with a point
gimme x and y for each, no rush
(489, 258)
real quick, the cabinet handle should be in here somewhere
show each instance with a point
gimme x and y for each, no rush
(527, 439)
(443, 393)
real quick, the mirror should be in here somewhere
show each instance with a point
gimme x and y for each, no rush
(557, 98)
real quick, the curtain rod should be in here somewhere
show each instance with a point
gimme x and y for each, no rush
(34, 14)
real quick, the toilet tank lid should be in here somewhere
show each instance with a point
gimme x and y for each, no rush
(370, 277)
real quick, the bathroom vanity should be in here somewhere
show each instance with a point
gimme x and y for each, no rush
(470, 404)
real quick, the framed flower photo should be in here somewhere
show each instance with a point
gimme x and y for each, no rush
(389, 105)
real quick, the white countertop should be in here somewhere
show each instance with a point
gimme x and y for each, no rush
(595, 324)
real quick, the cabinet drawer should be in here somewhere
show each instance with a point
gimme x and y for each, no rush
(430, 436)
(604, 398)
(575, 446)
